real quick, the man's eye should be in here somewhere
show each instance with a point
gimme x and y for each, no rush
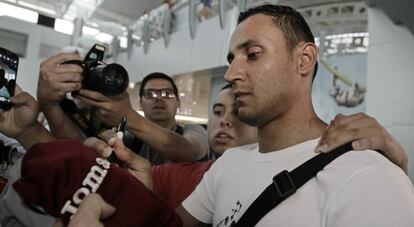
(253, 55)
(218, 112)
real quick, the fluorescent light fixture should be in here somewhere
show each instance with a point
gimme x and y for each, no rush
(38, 8)
(64, 26)
(104, 37)
(17, 12)
(131, 85)
(123, 42)
(89, 31)
(198, 120)
(81, 8)
(347, 35)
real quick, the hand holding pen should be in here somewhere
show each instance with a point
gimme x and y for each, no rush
(120, 134)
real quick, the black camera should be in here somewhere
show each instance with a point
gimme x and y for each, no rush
(108, 79)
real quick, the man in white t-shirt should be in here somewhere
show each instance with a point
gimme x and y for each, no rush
(273, 61)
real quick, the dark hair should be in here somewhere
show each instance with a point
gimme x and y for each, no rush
(3, 80)
(291, 22)
(157, 75)
(226, 86)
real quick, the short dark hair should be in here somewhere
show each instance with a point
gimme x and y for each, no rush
(291, 22)
(157, 75)
(226, 86)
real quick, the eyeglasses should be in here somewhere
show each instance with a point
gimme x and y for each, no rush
(161, 93)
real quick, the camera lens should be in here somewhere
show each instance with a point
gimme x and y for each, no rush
(111, 79)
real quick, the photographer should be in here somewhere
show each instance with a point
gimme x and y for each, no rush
(158, 136)
(159, 140)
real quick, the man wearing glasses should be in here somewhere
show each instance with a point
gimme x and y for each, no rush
(157, 132)
(159, 101)
(158, 137)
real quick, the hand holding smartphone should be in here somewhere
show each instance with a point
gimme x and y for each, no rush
(9, 63)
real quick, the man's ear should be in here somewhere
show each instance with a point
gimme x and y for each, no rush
(308, 55)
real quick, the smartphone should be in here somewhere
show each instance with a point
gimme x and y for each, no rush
(9, 63)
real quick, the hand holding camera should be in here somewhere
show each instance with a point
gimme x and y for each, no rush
(108, 79)
(56, 79)
(109, 109)
(66, 72)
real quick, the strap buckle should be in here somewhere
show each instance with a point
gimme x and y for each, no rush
(284, 184)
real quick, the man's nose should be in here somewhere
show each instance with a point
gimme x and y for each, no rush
(235, 71)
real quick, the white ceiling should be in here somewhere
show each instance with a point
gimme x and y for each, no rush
(126, 12)
(122, 11)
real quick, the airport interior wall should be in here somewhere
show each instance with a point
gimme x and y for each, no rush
(390, 79)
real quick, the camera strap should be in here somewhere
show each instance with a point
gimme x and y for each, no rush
(285, 184)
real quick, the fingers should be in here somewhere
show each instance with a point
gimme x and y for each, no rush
(345, 129)
(107, 135)
(90, 102)
(107, 210)
(93, 95)
(23, 98)
(67, 68)
(61, 73)
(59, 89)
(132, 160)
(92, 209)
(17, 90)
(60, 58)
(101, 148)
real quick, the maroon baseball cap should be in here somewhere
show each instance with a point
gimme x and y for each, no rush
(57, 175)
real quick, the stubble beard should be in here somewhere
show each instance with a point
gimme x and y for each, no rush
(252, 118)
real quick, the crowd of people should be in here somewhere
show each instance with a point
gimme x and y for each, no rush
(261, 123)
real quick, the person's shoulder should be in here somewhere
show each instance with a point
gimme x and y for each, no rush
(193, 127)
(240, 151)
(355, 160)
(367, 164)
(173, 168)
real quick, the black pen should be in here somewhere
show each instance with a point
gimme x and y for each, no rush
(120, 130)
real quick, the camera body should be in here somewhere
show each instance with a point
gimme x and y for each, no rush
(108, 79)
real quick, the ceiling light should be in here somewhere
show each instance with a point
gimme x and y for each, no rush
(64, 26)
(18, 12)
(104, 37)
(38, 8)
(123, 42)
(89, 31)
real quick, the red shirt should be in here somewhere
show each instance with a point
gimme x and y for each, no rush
(173, 182)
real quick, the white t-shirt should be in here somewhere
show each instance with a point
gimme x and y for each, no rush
(359, 188)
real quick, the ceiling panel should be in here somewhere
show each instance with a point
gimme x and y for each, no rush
(130, 9)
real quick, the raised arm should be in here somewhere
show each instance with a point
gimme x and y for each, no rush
(364, 132)
(20, 122)
(175, 147)
(55, 80)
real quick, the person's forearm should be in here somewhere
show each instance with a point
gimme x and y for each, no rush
(34, 135)
(60, 125)
(171, 145)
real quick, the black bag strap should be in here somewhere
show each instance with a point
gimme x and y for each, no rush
(285, 184)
